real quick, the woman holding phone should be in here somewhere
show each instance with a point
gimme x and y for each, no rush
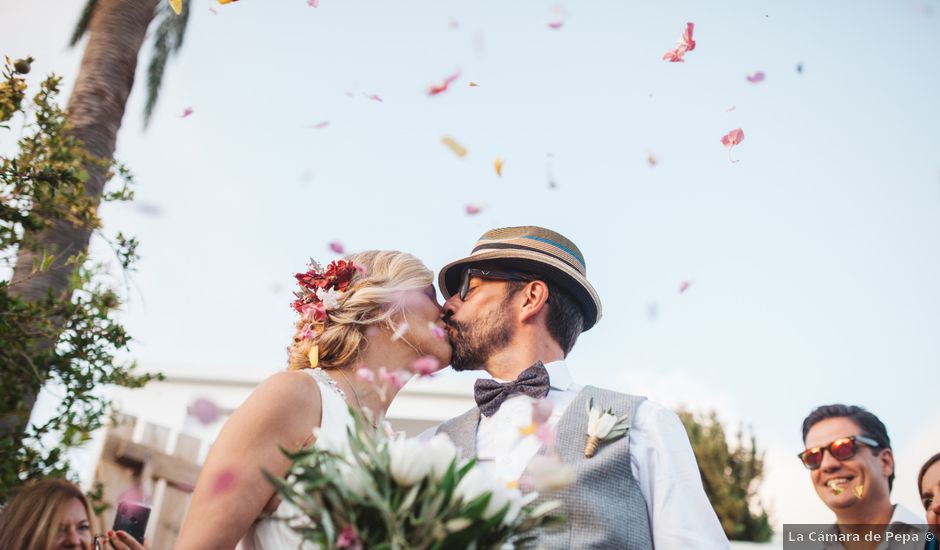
(54, 514)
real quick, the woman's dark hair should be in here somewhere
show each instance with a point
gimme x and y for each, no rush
(923, 471)
(870, 425)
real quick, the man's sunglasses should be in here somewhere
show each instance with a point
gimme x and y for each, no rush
(488, 274)
(843, 448)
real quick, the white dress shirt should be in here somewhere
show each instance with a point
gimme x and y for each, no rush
(661, 459)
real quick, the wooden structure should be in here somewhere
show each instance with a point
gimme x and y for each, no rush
(147, 470)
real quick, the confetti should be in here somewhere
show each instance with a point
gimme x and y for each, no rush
(560, 15)
(364, 374)
(204, 410)
(542, 411)
(313, 3)
(375, 97)
(686, 44)
(148, 208)
(223, 2)
(426, 366)
(319, 125)
(731, 139)
(452, 144)
(473, 84)
(799, 68)
(186, 112)
(473, 210)
(442, 87)
(396, 379)
(756, 78)
(453, 23)
(498, 165)
(436, 330)
(213, 12)
(400, 331)
(684, 285)
(177, 6)
(223, 482)
(729, 109)
(651, 159)
(552, 184)
(337, 247)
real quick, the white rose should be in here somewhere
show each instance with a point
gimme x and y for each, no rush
(409, 461)
(354, 478)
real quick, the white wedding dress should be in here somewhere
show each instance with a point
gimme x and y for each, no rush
(274, 533)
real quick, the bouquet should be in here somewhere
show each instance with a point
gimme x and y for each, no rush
(388, 492)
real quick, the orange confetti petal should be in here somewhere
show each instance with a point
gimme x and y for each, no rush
(177, 6)
(473, 84)
(498, 164)
(452, 144)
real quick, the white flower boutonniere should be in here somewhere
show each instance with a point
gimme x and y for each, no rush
(602, 426)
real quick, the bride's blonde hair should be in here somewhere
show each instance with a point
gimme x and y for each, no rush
(372, 299)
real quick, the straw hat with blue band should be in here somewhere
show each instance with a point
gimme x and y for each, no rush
(535, 250)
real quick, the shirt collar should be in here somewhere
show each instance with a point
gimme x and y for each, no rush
(559, 377)
(903, 515)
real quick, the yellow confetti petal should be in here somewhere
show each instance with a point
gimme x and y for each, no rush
(859, 491)
(177, 6)
(528, 430)
(498, 164)
(473, 84)
(223, 2)
(452, 144)
(314, 356)
(512, 484)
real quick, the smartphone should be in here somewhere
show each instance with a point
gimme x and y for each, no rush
(132, 517)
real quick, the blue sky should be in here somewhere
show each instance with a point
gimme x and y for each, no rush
(815, 259)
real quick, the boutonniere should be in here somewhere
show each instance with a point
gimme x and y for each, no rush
(602, 426)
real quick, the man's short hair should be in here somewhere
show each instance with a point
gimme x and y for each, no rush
(870, 425)
(565, 320)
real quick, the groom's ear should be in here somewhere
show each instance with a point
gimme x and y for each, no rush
(534, 297)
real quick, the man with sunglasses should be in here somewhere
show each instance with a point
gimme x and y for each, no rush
(848, 454)
(515, 308)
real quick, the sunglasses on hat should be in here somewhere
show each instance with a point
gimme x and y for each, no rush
(843, 448)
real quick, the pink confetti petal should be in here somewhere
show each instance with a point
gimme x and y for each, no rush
(473, 210)
(686, 44)
(756, 78)
(546, 434)
(453, 23)
(651, 159)
(396, 379)
(375, 97)
(364, 374)
(319, 125)
(337, 247)
(731, 139)
(132, 494)
(684, 285)
(555, 25)
(204, 410)
(426, 366)
(223, 482)
(212, 10)
(186, 112)
(729, 109)
(437, 331)
(542, 411)
(313, 3)
(443, 86)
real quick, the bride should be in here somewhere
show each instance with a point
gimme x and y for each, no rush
(375, 310)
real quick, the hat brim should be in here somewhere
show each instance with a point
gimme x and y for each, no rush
(553, 270)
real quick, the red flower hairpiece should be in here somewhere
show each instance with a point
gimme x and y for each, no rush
(320, 289)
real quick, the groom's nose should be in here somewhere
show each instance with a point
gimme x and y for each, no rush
(450, 306)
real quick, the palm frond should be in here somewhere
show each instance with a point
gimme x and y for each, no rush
(167, 41)
(81, 27)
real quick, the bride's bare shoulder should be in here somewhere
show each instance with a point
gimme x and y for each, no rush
(288, 395)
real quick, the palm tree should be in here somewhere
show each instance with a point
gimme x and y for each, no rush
(116, 31)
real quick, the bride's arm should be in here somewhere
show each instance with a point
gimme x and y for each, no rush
(231, 491)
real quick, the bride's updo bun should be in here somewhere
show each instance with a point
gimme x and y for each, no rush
(372, 299)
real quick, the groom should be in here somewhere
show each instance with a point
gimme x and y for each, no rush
(515, 308)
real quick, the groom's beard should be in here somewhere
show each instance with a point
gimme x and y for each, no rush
(478, 340)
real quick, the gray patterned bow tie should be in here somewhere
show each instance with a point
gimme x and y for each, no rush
(490, 394)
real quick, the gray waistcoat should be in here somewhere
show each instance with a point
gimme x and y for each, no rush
(604, 507)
